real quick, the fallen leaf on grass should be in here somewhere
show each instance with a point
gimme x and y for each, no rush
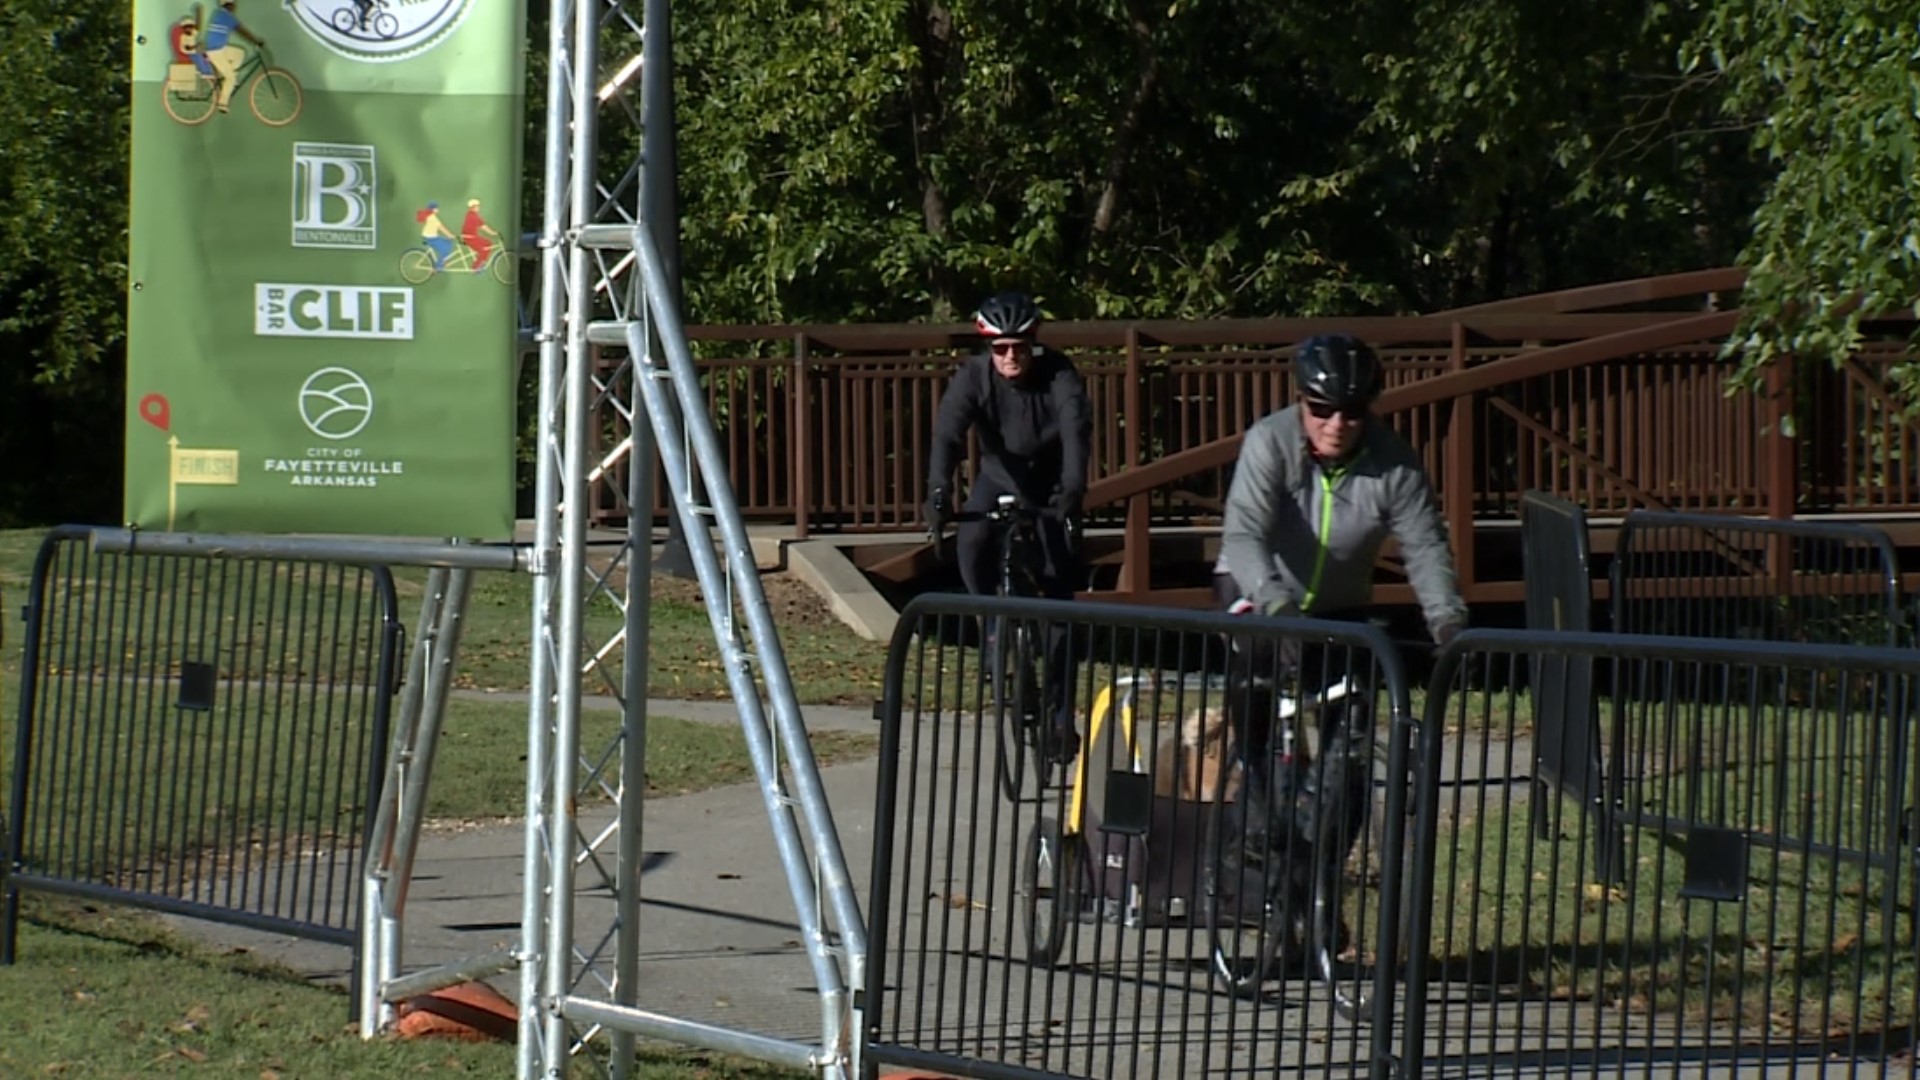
(1596, 892)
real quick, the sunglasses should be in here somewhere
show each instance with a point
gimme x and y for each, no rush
(1002, 348)
(1326, 410)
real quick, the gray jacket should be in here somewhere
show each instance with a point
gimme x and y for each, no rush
(1300, 534)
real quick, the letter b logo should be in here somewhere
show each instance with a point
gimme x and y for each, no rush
(334, 196)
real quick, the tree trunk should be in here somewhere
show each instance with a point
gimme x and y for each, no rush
(1127, 132)
(931, 28)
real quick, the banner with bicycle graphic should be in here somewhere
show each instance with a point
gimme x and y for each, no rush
(324, 283)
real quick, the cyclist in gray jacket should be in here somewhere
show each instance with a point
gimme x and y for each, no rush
(1319, 487)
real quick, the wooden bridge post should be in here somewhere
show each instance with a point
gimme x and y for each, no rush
(1460, 484)
(1136, 560)
(1783, 466)
(800, 482)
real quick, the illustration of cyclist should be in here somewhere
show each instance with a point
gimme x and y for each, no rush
(219, 56)
(474, 232)
(435, 234)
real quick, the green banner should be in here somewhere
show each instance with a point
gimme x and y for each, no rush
(323, 266)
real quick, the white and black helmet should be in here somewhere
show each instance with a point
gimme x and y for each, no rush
(1007, 314)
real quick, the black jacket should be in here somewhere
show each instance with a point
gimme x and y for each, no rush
(1035, 436)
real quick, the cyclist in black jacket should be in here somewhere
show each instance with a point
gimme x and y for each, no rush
(1029, 406)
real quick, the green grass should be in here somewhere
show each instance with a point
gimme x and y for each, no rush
(104, 992)
(828, 662)
(102, 995)
(1805, 950)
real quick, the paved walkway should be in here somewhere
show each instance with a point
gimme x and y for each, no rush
(719, 938)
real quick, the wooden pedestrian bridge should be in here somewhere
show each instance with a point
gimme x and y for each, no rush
(1615, 396)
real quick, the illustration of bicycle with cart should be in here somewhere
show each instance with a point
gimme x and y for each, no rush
(192, 90)
(1273, 905)
(365, 18)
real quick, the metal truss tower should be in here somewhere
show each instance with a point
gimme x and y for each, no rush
(610, 334)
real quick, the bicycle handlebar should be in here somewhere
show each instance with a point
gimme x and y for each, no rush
(1001, 515)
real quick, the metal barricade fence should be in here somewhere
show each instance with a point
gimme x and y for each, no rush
(1115, 921)
(200, 736)
(1713, 576)
(1764, 923)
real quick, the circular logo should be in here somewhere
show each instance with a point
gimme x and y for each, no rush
(378, 31)
(335, 403)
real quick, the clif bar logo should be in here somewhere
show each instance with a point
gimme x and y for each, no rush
(378, 31)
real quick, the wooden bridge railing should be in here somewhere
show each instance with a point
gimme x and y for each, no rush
(828, 426)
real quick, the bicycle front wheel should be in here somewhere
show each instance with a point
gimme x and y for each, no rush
(416, 265)
(385, 25)
(189, 109)
(504, 266)
(1253, 931)
(1016, 695)
(1350, 899)
(275, 97)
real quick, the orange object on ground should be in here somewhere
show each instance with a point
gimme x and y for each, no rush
(473, 1012)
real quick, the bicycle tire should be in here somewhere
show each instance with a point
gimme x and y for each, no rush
(1053, 890)
(416, 265)
(504, 266)
(1242, 973)
(344, 20)
(175, 105)
(1011, 748)
(1037, 723)
(1352, 994)
(385, 26)
(283, 97)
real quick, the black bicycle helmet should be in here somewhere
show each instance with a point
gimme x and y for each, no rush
(1338, 369)
(1007, 314)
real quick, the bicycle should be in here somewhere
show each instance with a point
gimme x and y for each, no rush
(1320, 779)
(192, 97)
(417, 264)
(352, 17)
(1014, 654)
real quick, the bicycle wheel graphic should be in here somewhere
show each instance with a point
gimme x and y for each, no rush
(189, 109)
(416, 265)
(385, 25)
(275, 97)
(505, 266)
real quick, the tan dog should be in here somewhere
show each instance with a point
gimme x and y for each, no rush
(1202, 753)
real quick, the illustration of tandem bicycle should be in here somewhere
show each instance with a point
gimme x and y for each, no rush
(192, 90)
(416, 264)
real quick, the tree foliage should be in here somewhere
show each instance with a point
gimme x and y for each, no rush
(63, 180)
(1833, 91)
(895, 159)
